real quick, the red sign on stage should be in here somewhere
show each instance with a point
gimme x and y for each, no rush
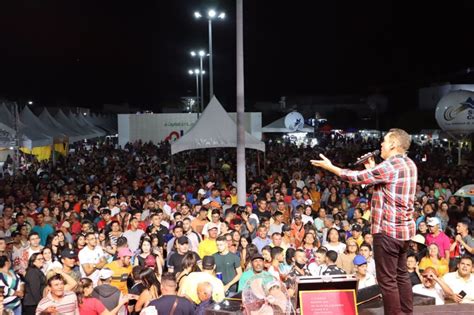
(330, 302)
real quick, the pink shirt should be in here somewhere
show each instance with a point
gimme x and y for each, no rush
(442, 240)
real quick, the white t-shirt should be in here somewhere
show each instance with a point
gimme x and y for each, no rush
(366, 282)
(436, 292)
(133, 239)
(339, 248)
(88, 256)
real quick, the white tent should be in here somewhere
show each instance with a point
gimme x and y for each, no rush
(48, 119)
(279, 126)
(72, 124)
(28, 118)
(86, 124)
(214, 129)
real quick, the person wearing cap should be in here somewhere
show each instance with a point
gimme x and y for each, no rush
(433, 286)
(175, 261)
(68, 259)
(392, 207)
(356, 232)
(188, 287)
(257, 263)
(438, 237)
(109, 295)
(121, 269)
(364, 279)
(208, 246)
(417, 247)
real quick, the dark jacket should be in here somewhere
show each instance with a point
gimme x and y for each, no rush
(108, 295)
(35, 282)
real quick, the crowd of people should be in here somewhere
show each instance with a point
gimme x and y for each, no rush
(127, 230)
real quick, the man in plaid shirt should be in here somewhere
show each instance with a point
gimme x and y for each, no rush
(392, 207)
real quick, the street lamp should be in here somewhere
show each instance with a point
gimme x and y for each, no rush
(201, 55)
(197, 72)
(211, 15)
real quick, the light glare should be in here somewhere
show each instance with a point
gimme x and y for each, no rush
(222, 15)
(212, 13)
(197, 15)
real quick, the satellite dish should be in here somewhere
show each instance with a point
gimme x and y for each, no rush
(455, 112)
(294, 121)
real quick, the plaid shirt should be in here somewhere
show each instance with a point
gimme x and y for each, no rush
(394, 195)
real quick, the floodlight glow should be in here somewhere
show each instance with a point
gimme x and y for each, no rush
(202, 53)
(30, 102)
(191, 72)
(197, 15)
(196, 71)
(211, 13)
(221, 16)
(193, 53)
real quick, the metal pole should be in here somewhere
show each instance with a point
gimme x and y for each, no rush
(241, 175)
(202, 85)
(211, 74)
(197, 93)
(16, 159)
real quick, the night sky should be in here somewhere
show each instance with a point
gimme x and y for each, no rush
(94, 52)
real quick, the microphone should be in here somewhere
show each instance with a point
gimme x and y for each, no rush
(365, 157)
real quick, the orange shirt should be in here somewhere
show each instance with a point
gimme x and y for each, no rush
(297, 232)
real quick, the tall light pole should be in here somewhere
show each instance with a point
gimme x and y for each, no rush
(211, 15)
(197, 72)
(241, 175)
(201, 55)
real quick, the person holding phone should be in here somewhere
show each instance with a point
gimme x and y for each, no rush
(462, 281)
(433, 286)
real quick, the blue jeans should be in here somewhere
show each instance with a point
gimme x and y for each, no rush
(17, 311)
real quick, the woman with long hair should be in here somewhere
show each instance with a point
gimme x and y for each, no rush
(12, 286)
(242, 248)
(333, 241)
(35, 283)
(145, 251)
(310, 244)
(89, 305)
(422, 228)
(152, 289)
(80, 242)
(346, 259)
(189, 265)
(433, 259)
(53, 242)
(251, 250)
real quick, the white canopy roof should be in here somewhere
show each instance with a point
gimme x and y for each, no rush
(28, 118)
(48, 119)
(279, 126)
(214, 129)
(30, 137)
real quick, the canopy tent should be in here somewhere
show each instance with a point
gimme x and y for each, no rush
(28, 118)
(214, 129)
(279, 126)
(73, 125)
(101, 122)
(85, 124)
(30, 138)
(48, 119)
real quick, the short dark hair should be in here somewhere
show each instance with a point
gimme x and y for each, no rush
(56, 276)
(221, 238)
(466, 257)
(32, 234)
(364, 244)
(332, 256)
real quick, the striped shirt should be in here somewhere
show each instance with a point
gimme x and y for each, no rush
(392, 203)
(67, 305)
(11, 283)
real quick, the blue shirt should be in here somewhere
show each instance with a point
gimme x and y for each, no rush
(43, 232)
(261, 243)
